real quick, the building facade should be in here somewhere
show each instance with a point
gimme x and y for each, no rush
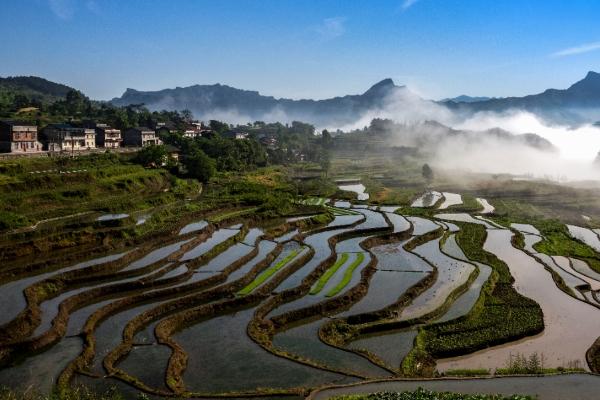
(108, 137)
(19, 137)
(64, 137)
(140, 137)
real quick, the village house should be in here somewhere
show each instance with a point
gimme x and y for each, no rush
(235, 135)
(65, 137)
(164, 127)
(268, 141)
(19, 137)
(140, 137)
(108, 137)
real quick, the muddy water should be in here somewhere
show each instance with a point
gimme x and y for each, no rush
(487, 207)
(391, 347)
(12, 300)
(450, 199)
(217, 238)
(451, 274)
(304, 341)
(223, 358)
(560, 342)
(428, 199)
(586, 235)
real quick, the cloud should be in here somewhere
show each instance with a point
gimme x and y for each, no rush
(581, 49)
(406, 4)
(63, 9)
(331, 28)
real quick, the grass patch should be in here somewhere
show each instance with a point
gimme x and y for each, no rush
(233, 214)
(360, 257)
(266, 274)
(467, 372)
(328, 274)
(423, 394)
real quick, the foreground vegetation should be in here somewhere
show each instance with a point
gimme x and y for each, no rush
(422, 394)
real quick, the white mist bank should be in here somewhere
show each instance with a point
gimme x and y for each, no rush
(577, 148)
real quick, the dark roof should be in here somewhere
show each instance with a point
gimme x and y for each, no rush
(60, 126)
(172, 149)
(12, 122)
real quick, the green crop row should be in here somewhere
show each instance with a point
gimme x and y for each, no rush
(347, 275)
(329, 273)
(266, 274)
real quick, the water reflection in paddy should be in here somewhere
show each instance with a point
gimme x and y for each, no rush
(450, 199)
(422, 226)
(487, 207)
(40, 371)
(223, 358)
(304, 341)
(264, 248)
(193, 227)
(463, 217)
(217, 238)
(586, 235)
(391, 346)
(12, 300)
(451, 274)
(560, 342)
(427, 199)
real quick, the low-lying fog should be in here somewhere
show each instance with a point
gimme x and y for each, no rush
(573, 158)
(576, 148)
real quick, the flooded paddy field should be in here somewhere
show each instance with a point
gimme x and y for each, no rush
(196, 311)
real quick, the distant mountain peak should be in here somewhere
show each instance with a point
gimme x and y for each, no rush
(591, 82)
(381, 87)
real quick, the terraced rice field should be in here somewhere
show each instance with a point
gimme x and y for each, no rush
(221, 309)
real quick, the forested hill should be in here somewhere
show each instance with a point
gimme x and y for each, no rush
(33, 88)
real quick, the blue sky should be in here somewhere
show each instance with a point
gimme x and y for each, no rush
(301, 48)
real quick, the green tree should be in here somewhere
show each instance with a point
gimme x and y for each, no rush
(199, 165)
(152, 156)
(427, 173)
